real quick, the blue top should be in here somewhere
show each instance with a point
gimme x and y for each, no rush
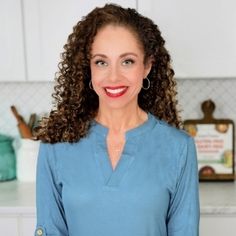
(153, 190)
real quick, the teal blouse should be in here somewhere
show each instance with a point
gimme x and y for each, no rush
(153, 190)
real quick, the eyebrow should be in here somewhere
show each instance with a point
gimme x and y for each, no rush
(122, 55)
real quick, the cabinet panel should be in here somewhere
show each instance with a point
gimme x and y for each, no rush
(217, 225)
(200, 35)
(27, 226)
(12, 66)
(8, 226)
(47, 26)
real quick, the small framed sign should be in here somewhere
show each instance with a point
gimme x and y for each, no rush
(214, 140)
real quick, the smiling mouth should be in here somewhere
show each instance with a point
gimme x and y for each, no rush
(115, 91)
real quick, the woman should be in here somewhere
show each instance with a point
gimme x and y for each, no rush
(113, 160)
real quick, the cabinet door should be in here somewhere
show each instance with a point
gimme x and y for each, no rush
(27, 226)
(217, 225)
(12, 65)
(8, 226)
(200, 35)
(47, 26)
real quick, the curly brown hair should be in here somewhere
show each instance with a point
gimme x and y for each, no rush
(76, 105)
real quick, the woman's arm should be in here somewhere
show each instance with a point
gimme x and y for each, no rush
(50, 213)
(184, 213)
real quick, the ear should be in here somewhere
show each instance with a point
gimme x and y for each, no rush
(148, 67)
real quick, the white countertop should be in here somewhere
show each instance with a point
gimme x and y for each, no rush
(17, 198)
(218, 198)
(215, 198)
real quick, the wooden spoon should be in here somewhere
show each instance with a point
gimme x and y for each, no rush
(23, 128)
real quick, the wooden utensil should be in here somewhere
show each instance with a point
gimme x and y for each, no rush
(32, 120)
(23, 128)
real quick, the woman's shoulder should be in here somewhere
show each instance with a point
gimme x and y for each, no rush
(169, 131)
(58, 148)
(53, 146)
(169, 137)
(174, 141)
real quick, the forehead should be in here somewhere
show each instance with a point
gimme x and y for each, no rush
(116, 38)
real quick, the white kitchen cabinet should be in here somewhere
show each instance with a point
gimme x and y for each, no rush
(200, 35)
(47, 26)
(27, 226)
(216, 225)
(218, 209)
(17, 223)
(12, 61)
(8, 225)
(17, 208)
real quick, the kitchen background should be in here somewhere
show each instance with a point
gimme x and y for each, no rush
(200, 36)
(35, 97)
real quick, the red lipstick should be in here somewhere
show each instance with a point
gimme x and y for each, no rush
(116, 91)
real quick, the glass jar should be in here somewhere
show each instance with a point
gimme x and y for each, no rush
(27, 154)
(7, 159)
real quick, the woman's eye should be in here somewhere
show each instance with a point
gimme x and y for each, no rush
(128, 62)
(100, 63)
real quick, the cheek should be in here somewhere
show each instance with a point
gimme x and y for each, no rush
(136, 77)
(96, 76)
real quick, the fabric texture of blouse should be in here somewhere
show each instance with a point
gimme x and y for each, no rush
(153, 190)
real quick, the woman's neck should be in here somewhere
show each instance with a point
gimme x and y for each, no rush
(119, 120)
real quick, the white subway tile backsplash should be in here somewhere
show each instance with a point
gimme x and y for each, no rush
(28, 98)
(36, 97)
(193, 92)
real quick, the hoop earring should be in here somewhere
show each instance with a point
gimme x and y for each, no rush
(90, 85)
(148, 84)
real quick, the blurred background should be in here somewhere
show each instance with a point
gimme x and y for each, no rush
(201, 38)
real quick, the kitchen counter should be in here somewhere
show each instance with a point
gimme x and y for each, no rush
(215, 198)
(218, 198)
(17, 198)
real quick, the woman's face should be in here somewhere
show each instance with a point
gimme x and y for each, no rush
(117, 67)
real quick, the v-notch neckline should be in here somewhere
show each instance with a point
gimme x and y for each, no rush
(115, 152)
(112, 177)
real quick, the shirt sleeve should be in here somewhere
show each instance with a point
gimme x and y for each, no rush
(184, 211)
(50, 213)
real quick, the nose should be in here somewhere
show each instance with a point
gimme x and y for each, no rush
(114, 73)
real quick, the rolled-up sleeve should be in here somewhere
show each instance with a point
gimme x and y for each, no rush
(50, 212)
(184, 213)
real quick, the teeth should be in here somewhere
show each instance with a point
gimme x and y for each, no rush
(115, 91)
